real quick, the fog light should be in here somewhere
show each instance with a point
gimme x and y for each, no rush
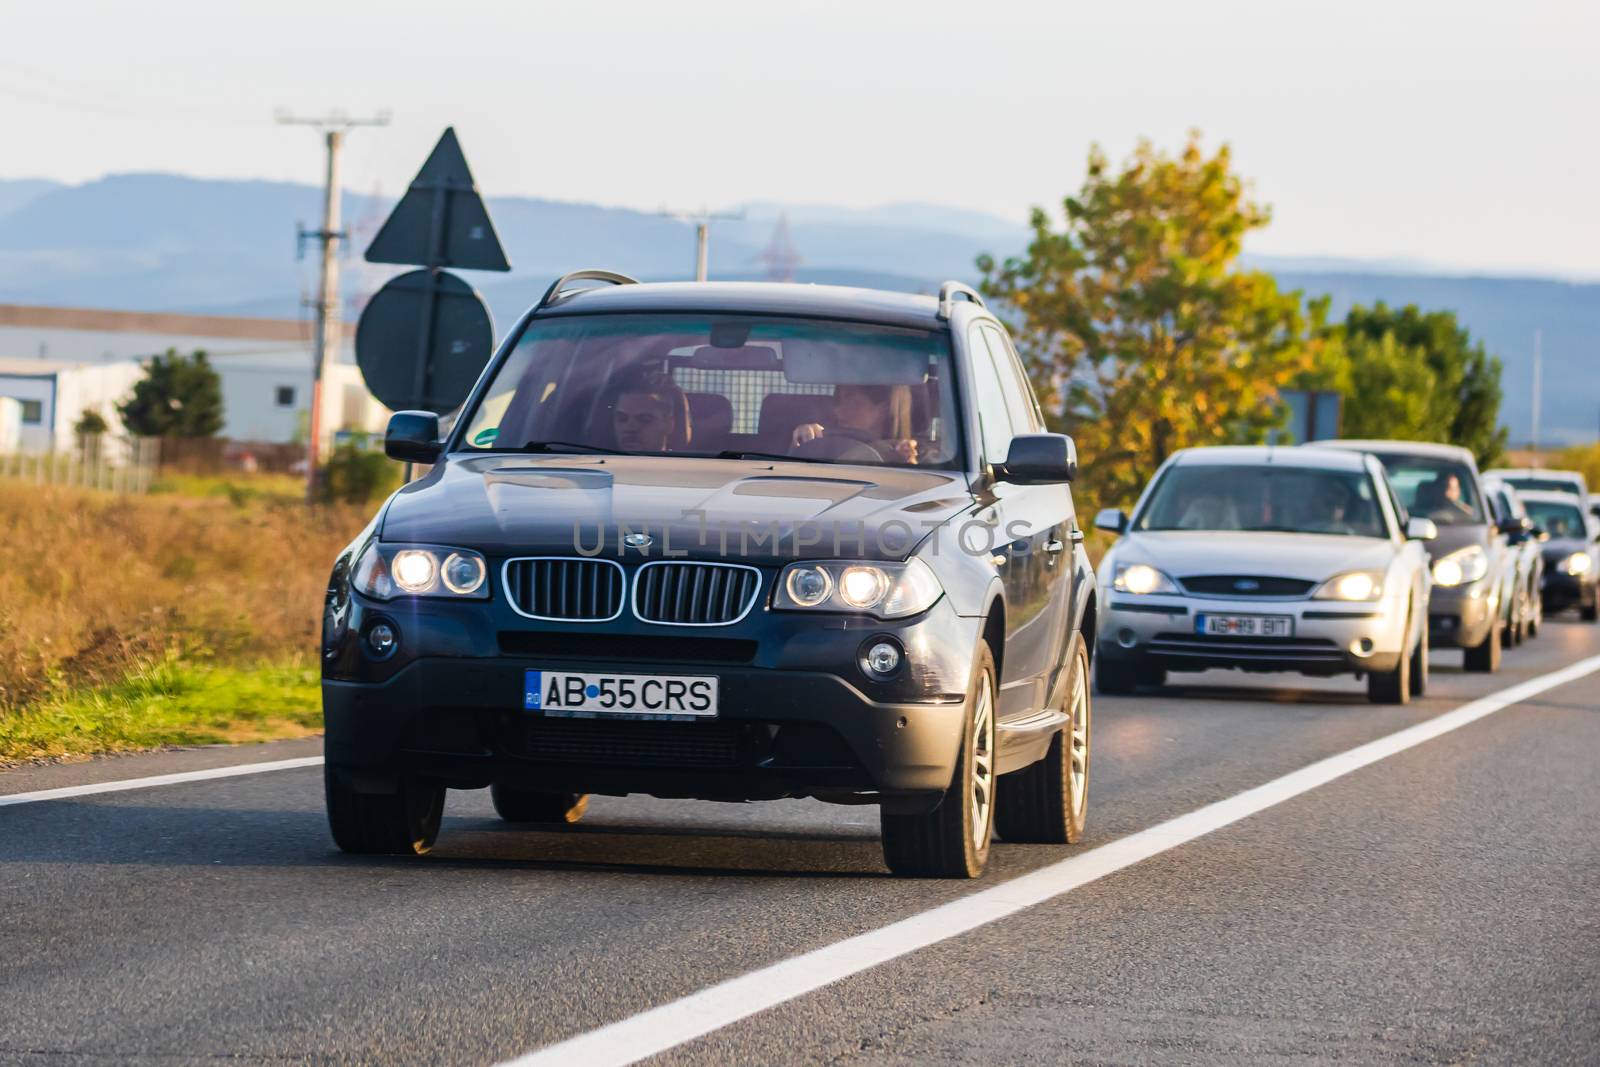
(1362, 646)
(1127, 638)
(881, 659)
(382, 640)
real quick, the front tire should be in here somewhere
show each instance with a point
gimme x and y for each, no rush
(1484, 657)
(952, 840)
(1419, 665)
(1047, 802)
(1391, 687)
(403, 821)
(1115, 677)
(537, 806)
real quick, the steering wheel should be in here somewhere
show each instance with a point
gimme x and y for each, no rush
(848, 446)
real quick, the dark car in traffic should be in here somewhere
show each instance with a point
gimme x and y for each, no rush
(724, 541)
(1474, 566)
(1571, 552)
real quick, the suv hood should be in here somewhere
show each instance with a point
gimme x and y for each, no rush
(1311, 557)
(564, 505)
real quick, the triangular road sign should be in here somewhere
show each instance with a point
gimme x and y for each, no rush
(441, 221)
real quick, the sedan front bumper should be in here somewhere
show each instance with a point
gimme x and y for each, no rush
(1330, 637)
(1460, 617)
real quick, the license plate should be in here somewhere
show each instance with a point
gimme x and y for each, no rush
(570, 694)
(1245, 625)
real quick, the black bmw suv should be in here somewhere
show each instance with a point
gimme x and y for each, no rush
(724, 541)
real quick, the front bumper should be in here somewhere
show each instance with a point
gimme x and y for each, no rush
(796, 717)
(1330, 637)
(1460, 617)
(1561, 590)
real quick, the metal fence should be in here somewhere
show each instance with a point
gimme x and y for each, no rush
(117, 465)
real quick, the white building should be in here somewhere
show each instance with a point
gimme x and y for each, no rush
(51, 397)
(264, 364)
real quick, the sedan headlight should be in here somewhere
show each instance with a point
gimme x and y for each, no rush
(1462, 567)
(1141, 578)
(1575, 564)
(385, 571)
(887, 590)
(1356, 585)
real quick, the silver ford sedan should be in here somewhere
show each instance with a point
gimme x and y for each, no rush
(1266, 559)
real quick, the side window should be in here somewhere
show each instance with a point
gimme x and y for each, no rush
(1019, 394)
(993, 418)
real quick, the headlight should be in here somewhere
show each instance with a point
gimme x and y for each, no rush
(1357, 585)
(1575, 564)
(1461, 567)
(887, 590)
(386, 571)
(1141, 578)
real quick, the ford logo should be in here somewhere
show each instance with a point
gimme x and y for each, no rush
(638, 540)
(1247, 585)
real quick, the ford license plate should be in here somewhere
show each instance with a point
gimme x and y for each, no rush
(635, 696)
(1244, 625)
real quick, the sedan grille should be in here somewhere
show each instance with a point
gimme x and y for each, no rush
(1245, 585)
(695, 594)
(569, 590)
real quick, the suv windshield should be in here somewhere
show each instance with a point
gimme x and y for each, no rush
(1262, 498)
(1439, 489)
(1560, 521)
(700, 385)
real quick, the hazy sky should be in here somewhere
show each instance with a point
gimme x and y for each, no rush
(1459, 132)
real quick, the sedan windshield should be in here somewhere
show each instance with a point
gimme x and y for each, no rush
(1439, 489)
(1264, 498)
(1560, 521)
(699, 385)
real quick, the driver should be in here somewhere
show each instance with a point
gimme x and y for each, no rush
(1452, 505)
(869, 423)
(648, 414)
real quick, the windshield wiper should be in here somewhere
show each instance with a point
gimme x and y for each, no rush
(570, 446)
(741, 453)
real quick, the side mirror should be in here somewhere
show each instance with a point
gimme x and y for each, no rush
(1421, 530)
(1510, 527)
(413, 436)
(1111, 520)
(1539, 533)
(1040, 459)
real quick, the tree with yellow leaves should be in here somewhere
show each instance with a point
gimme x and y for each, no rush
(1141, 332)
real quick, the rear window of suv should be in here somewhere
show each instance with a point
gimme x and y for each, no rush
(704, 385)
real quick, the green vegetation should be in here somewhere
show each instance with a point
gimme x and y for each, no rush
(1416, 376)
(1144, 334)
(179, 396)
(168, 702)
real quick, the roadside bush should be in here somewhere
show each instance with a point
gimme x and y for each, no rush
(355, 475)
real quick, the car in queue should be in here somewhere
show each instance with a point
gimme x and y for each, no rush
(1262, 558)
(1571, 552)
(735, 542)
(1474, 565)
(1538, 479)
(1526, 539)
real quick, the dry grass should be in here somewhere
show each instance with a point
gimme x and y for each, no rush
(96, 589)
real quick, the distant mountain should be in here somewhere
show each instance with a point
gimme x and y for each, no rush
(169, 242)
(15, 192)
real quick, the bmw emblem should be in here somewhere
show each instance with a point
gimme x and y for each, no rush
(638, 540)
(1246, 585)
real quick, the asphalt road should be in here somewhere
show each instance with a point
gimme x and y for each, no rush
(1441, 905)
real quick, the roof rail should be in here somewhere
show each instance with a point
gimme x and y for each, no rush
(561, 284)
(948, 293)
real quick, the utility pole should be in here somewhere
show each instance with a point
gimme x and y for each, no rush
(1538, 358)
(702, 220)
(333, 127)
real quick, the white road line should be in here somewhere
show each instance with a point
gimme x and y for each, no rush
(665, 1027)
(233, 771)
